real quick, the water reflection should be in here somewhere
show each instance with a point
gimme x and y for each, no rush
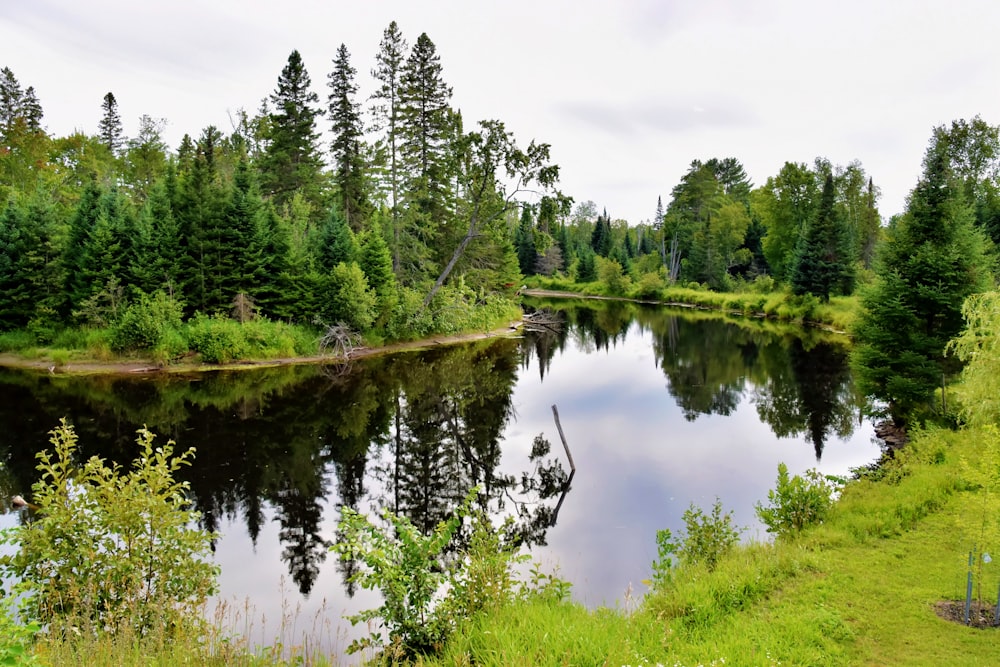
(661, 408)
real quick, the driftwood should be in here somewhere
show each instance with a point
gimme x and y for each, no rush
(543, 321)
(340, 341)
(572, 468)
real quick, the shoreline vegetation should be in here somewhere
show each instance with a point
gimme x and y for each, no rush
(778, 306)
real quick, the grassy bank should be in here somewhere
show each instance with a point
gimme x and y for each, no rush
(758, 300)
(860, 589)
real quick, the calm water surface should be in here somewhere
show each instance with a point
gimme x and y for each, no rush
(661, 408)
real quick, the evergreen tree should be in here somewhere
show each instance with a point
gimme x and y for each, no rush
(823, 262)
(80, 227)
(336, 243)
(524, 242)
(389, 72)
(376, 263)
(158, 248)
(425, 130)
(110, 127)
(291, 161)
(198, 210)
(11, 103)
(345, 116)
(600, 239)
(586, 267)
(933, 259)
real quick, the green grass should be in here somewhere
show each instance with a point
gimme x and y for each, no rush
(838, 314)
(860, 589)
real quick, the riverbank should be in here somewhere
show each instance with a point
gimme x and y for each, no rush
(145, 366)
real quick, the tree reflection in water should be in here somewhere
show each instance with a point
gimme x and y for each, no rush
(413, 432)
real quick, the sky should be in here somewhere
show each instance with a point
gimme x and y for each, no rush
(626, 93)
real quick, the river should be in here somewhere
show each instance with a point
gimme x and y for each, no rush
(660, 408)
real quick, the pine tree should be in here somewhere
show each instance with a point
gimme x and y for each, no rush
(292, 162)
(11, 102)
(348, 158)
(158, 248)
(933, 259)
(110, 127)
(388, 72)
(336, 243)
(524, 242)
(376, 263)
(31, 110)
(426, 128)
(823, 262)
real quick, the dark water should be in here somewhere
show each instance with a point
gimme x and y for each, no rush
(660, 408)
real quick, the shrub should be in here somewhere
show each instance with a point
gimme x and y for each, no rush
(707, 537)
(111, 550)
(612, 275)
(649, 286)
(406, 566)
(797, 502)
(144, 324)
(217, 339)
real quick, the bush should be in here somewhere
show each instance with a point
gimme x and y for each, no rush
(797, 502)
(110, 550)
(145, 323)
(649, 286)
(217, 339)
(406, 566)
(707, 536)
(612, 275)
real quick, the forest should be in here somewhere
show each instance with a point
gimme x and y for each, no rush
(385, 215)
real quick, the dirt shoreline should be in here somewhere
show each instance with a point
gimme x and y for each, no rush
(141, 366)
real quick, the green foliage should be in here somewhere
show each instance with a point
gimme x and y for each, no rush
(611, 274)
(111, 549)
(649, 286)
(823, 264)
(932, 261)
(484, 582)
(979, 346)
(347, 298)
(16, 639)
(707, 537)
(217, 339)
(407, 568)
(705, 540)
(146, 323)
(796, 502)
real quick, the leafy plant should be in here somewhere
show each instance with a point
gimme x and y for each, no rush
(406, 566)
(796, 502)
(707, 537)
(111, 549)
(16, 639)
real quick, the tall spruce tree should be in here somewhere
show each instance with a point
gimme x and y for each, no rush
(933, 259)
(110, 127)
(823, 261)
(348, 157)
(292, 162)
(426, 129)
(389, 72)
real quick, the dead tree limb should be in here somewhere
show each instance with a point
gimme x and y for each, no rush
(562, 436)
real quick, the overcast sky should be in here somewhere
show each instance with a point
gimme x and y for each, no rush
(627, 93)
